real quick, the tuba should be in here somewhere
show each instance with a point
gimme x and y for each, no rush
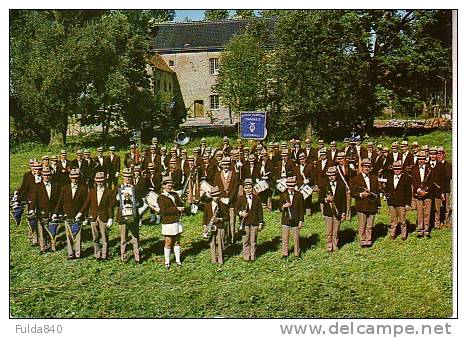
(181, 138)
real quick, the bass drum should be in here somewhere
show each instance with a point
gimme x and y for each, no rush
(306, 191)
(205, 189)
(151, 200)
(261, 186)
(281, 185)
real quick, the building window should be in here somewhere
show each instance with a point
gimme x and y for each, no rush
(214, 102)
(214, 66)
(171, 63)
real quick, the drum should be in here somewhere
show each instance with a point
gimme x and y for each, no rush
(281, 186)
(306, 191)
(151, 200)
(261, 186)
(205, 188)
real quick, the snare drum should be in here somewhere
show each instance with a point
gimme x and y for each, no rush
(261, 186)
(306, 191)
(151, 200)
(281, 185)
(205, 188)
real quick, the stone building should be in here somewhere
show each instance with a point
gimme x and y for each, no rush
(192, 51)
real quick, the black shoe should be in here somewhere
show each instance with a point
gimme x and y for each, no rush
(299, 256)
(284, 257)
(404, 238)
(167, 266)
(427, 235)
(419, 235)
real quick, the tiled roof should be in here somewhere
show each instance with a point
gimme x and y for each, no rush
(184, 36)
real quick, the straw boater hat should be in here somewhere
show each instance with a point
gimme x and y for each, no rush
(31, 162)
(132, 146)
(366, 162)
(421, 155)
(167, 180)
(404, 143)
(385, 149)
(307, 140)
(395, 145)
(112, 148)
(99, 177)
(225, 160)
(45, 157)
(397, 165)
(196, 150)
(86, 152)
(137, 169)
(440, 150)
(203, 140)
(151, 166)
(284, 152)
(291, 181)
(215, 191)
(127, 171)
(369, 145)
(63, 152)
(46, 172)
(433, 150)
(247, 182)
(79, 152)
(152, 147)
(379, 146)
(100, 149)
(320, 142)
(173, 160)
(74, 173)
(333, 143)
(154, 139)
(414, 144)
(191, 158)
(225, 139)
(251, 158)
(322, 151)
(301, 156)
(37, 165)
(331, 171)
(183, 151)
(340, 154)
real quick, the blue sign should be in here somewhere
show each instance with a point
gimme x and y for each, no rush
(253, 125)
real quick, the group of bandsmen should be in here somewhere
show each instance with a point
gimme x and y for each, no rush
(233, 183)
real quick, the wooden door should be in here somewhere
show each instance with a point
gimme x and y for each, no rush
(199, 108)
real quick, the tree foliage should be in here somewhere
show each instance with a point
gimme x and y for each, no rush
(338, 68)
(216, 14)
(89, 63)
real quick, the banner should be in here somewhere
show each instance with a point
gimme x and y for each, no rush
(253, 125)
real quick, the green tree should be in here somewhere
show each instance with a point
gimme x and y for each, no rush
(216, 14)
(245, 13)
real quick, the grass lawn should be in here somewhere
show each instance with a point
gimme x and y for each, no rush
(392, 279)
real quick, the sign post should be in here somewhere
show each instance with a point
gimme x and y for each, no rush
(253, 125)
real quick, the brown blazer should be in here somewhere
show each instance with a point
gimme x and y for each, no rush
(289, 169)
(232, 189)
(297, 209)
(308, 172)
(222, 213)
(438, 177)
(67, 205)
(113, 165)
(417, 182)
(169, 212)
(320, 174)
(340, 199)
(370, 204)
(268, 167)
(41, 202)
(104, 210)
(402, 194)
(26, 189)
(255, 214)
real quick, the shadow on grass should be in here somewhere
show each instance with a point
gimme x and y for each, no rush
(307, 243)
(196, 247)
(346, 236)
(156, 247)
(379, 230)
(269, 246)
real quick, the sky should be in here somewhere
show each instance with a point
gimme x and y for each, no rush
(195, 15)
